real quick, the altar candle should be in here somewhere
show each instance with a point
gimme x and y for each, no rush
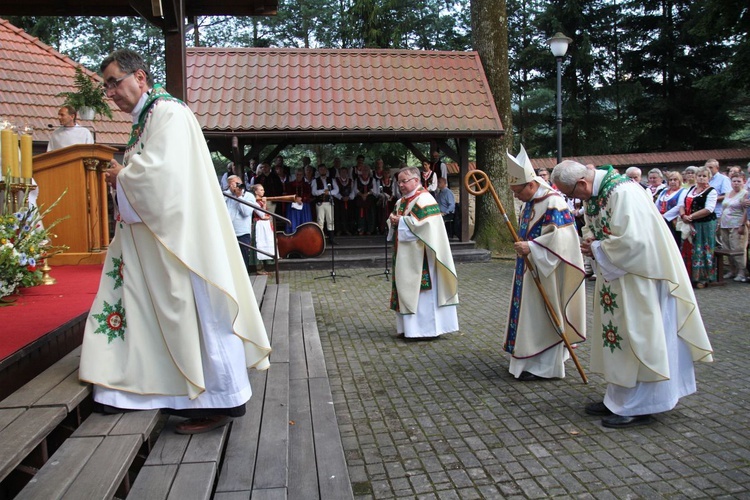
(26, 155)
(15, 171)
(6, 137)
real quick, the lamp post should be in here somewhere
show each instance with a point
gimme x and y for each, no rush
(558, 44)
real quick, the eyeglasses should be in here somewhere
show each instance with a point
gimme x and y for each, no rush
(407, 180)
(575, 186)
(114, 83)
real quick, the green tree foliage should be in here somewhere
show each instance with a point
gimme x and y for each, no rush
(88, 40)
(640, 75)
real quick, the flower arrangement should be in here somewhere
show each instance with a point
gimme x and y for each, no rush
(24, 241)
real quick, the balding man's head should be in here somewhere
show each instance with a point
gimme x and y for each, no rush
(573, 179)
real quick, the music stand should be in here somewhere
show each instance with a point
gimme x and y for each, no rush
(332, 274)
(387, 271)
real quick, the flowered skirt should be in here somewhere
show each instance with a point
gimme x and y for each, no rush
(704, 242)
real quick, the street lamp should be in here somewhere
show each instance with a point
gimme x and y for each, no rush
(558, 44)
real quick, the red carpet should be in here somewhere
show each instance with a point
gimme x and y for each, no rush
(43, 308)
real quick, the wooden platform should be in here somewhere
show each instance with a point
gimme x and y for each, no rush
(25, 364)
(286, 446)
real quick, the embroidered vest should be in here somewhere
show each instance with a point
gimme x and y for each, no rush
(320, 185)
(345, 189)
(699, 203)
(365, 187)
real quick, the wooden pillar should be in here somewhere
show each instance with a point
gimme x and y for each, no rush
(174, 45)
(93, 195)
(463, 166)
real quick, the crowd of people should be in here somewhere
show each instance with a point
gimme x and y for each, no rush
(354, 200)
(174, 328)
(705, 209)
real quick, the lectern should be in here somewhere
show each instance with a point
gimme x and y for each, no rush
(80, 169)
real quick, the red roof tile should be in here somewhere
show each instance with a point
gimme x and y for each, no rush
(31, 75)
(670, 159)
(651, 160)
(322, 95)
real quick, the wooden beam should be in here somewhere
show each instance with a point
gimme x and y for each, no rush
(415, 151)
(275, 152)
(145, 9)
(156, 8)
(239, 166)
(174, 44)
(463, 164)
(448, 150)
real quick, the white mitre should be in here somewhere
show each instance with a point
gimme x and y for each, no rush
(520, 170)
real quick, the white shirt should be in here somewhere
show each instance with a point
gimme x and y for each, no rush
(63, 137)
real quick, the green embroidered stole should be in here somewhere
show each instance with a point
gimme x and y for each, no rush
(595, 205)
(156, 93)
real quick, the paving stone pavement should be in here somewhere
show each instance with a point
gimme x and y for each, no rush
(444, 419)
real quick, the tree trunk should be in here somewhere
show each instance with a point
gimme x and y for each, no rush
(489, 24)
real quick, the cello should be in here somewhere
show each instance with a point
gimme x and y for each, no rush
(306, 241)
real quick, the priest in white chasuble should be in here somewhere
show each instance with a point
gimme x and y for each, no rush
(548, 239)
(175, 323)
(424, 291)
(647, 330)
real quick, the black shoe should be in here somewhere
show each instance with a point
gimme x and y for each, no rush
(598, 409)
(528, 377)
(621, 422)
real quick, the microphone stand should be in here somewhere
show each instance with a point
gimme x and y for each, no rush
(332, 275)
(386, 272)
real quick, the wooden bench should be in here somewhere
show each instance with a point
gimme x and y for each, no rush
(93, 463)
(88, 460)
(287, 445)
(30, 417)
(181, 466)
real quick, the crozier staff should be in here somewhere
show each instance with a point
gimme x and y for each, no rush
(548, 239)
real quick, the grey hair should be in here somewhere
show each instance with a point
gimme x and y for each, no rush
(568, 172)
(129, 61)
(631, 170)
(414, 171)
(656, 171)
(691, 168)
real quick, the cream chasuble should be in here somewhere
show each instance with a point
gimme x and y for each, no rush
(630, 344)
(173, 276)
(424, 286)
(549, 227)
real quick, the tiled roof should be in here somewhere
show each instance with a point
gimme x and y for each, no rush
(671, 159)
(651, 160)
(325, 95)
(31, 75)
